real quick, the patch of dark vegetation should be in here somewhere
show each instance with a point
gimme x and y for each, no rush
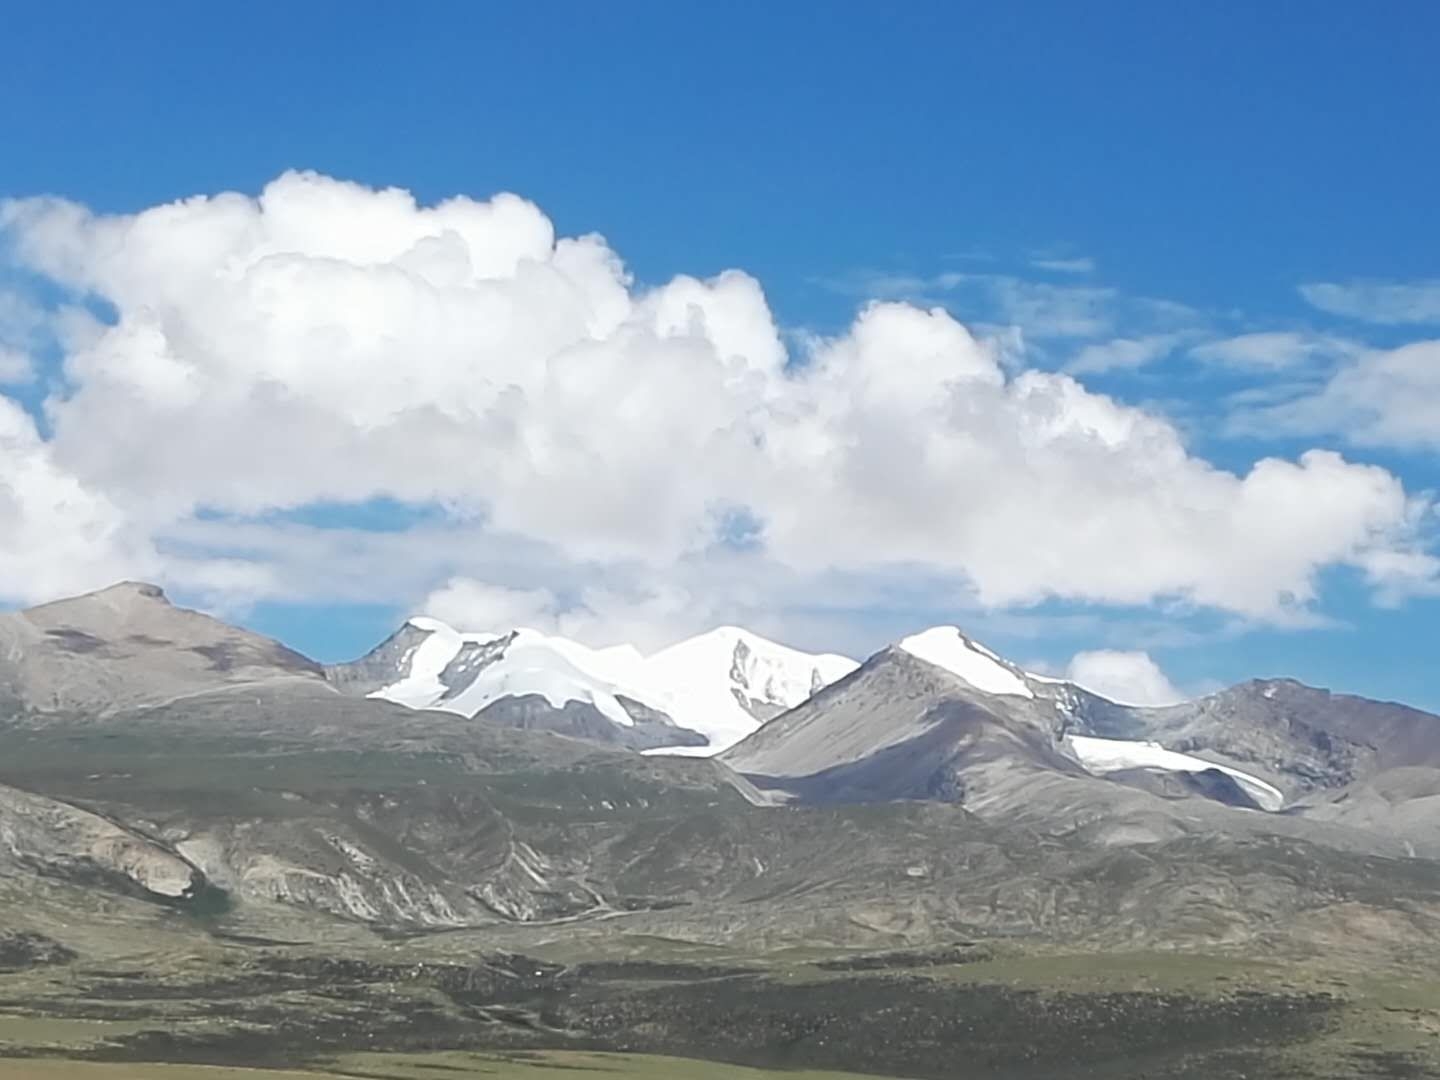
(288, 1011)
(83, 871)
(79, 1010)
(206, 901)
(912, 1026)
(24, 949)
(1391, 1065)
(963, 953)
(501, 978)
(648, 903)
(242, 984)
(642, 971)
(249, 939)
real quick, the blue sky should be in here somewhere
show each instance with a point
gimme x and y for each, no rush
(1091, 174)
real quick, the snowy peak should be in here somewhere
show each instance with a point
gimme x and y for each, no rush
(466, 672)
(722, 684)
(760, 677)
(946, 647)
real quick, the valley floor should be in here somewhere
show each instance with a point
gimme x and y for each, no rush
(970, 1012)
(555, 1065)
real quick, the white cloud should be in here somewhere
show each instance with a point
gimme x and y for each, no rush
(15, 365)
(56, 535)
(21, 321)
(327, 342)
(1041, 308)
(1064, 266)
(1382, 398)
(646, 618)
(476, 605)
(1122, 354)
(1130, 678)
(1045, 310)
(1390, 302)
(1272, 350)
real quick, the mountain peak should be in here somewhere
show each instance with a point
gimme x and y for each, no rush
(142, 589)
(123, 594)
(948, 647)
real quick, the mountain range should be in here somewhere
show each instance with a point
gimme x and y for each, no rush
(222, 804)
(936, 716)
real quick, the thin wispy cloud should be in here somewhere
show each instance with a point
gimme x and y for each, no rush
(1272, 351)
(1043, 309)
(1380, 398)
(1123, 354)
(1392, 303)
(1081, 265)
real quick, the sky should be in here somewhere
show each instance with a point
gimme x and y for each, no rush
(1109, 332)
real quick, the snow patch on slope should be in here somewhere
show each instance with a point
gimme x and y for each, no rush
(1101, 756)
(946, 647)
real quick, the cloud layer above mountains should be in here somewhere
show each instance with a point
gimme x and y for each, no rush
(598, 445)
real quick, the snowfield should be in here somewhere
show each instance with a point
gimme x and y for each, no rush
(1101, 756)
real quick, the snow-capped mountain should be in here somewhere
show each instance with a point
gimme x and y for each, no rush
(949, 648)
(940, 715)
(467, 672)
(698, 696)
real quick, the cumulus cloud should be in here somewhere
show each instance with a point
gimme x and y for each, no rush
(1130, 678)
(1390, 302)
(326, 342)
(55, 533)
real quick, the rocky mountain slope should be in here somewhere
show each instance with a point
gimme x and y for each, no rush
(939, 716)
(126, 646)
